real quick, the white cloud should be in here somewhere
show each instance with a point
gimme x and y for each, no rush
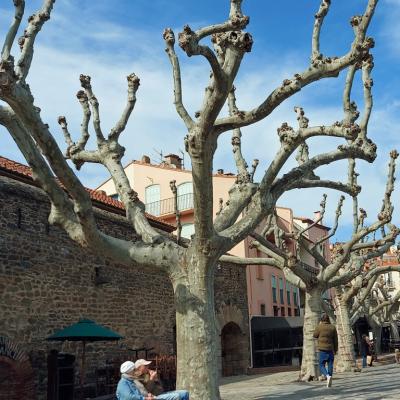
(390, 31)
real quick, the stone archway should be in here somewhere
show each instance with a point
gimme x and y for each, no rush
(16, 373)
(234, 341)
(233, 344)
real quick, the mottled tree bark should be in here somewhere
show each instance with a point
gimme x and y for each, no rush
(312, 314)
(346, 361)
(394, 329)
(196, 330)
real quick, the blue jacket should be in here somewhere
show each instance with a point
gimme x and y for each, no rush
(127, 390)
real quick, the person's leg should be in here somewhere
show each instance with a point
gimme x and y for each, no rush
(331, 358)
(174, 395)
(323, 358)
(364, 361)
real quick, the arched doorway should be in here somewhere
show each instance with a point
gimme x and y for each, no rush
(233, 357)
(8, 381)
(16, 374)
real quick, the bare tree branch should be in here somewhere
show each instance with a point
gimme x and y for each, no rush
(326, 67)
(319, 19)
(133, 85)
(169, 38)
(19, 6)
(313, 252)
(85, 83)
(332, 232)
(35, 23)
(172, 185)
(241, 165)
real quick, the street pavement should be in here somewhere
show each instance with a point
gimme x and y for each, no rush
(375, 383)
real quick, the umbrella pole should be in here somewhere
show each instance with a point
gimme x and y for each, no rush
(83, 367)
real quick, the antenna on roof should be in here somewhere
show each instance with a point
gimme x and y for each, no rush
(183, 158)
(159, 154)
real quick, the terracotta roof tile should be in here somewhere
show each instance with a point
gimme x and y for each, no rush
(24, 171)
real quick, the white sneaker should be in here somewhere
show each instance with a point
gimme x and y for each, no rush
(328, 381)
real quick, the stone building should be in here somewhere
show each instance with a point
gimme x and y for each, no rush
(48, 282)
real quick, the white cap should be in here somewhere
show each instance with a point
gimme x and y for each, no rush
(141, 362)
(127, 366)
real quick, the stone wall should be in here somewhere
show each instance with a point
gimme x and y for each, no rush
(48, 282)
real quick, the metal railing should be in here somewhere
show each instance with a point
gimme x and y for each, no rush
(166, 206)
(309, 268)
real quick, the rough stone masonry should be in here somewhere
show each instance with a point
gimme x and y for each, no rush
(48, 282)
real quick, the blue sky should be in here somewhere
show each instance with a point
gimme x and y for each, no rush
(108, 42)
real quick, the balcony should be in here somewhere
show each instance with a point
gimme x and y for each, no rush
(166, 206)
(309, 268)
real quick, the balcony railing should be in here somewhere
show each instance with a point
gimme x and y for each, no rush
(309, 268)
(166, 206)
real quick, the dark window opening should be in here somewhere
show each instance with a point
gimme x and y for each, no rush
(19, 218)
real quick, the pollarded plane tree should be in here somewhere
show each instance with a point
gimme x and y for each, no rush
(345, 268)
(190, 266)
(358, 298)
(365, 296)
(379, 306)
(362, 277)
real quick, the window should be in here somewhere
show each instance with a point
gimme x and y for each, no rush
(185, 196)
(297, 312)
(295, 299)
(260, 272)
(187, 230)
(115, 196)
(276, 311)
(282, 311)
(262, 309)
(273, 283)
(152, 199)
(289, 312)
(389, 279)
(288, 292)
(281, 291)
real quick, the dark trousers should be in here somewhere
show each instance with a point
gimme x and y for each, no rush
(326, 357)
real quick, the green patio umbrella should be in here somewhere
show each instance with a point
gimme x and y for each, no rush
(85, 330)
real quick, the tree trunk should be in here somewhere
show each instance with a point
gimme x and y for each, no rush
(377, 331)
(346, 358)
(312, 313)
(197, 357)
(394, 330)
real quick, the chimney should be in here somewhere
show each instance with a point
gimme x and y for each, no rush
(220, 171)
(145, 159)
(173, 161)
(317, 215)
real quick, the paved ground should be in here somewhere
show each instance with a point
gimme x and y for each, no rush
(378, 382)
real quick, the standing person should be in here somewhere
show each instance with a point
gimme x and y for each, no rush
(327, 345)
(366, 351)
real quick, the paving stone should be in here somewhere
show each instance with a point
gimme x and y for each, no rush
(377, 383)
